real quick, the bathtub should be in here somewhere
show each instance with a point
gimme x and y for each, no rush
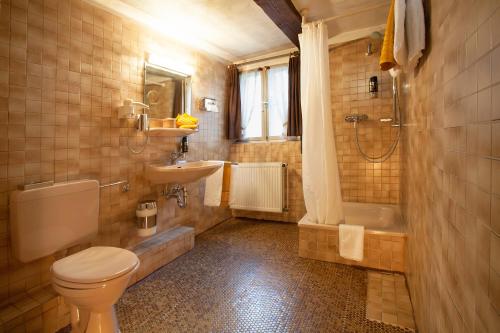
(375, 217)
(384, 243)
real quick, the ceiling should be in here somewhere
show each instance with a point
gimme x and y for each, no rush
(363, 20)
(239, 29)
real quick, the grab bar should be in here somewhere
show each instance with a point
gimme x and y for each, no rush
(125, 183)
(32, 186)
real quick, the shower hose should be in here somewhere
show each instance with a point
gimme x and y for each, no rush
(395, 107)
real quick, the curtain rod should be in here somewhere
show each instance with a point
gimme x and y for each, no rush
(367, 9)
(288, 53)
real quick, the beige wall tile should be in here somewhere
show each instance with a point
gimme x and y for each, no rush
(362, 181)
(65, 67)
(450, 194)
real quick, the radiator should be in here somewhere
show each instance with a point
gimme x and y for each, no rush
(259, 187)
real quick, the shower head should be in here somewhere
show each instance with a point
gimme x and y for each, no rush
(374, 38)
(375, 35)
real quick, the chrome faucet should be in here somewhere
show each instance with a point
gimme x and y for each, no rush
(174, 156)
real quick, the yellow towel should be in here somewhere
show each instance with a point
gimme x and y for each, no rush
(387, 54)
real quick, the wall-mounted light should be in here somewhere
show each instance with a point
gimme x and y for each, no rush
(171, 63)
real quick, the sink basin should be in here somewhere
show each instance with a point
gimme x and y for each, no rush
(181, 173)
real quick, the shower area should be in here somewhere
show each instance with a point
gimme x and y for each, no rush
(366, 125)
(373, 178)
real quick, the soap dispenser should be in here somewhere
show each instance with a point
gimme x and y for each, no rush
(184, 144)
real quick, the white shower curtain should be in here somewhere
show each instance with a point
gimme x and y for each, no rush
(320, 175)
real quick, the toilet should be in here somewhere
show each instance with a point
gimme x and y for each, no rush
(92, 281)
(51, 218)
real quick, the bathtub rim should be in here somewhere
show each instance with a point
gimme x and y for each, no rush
(336, 227)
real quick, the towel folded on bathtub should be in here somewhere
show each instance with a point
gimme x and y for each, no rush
(351, 239)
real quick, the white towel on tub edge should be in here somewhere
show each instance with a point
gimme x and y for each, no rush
(351, 241)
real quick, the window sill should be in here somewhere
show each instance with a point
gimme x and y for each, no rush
(289, 138)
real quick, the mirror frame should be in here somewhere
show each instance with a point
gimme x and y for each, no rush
(186, 85)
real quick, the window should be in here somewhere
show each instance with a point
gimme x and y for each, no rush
(264, 103)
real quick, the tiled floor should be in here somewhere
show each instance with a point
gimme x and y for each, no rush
(246, 276)
(388, 300)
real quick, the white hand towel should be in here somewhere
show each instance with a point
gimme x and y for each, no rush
(415, 31)
(351, 239)
(213, 188)
(400, 51)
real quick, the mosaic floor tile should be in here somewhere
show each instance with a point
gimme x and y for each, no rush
(246, 276)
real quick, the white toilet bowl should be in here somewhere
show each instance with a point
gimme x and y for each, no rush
(92, 281)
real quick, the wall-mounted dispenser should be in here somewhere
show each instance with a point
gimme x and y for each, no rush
(128, 111)
(129, 107)
(373, 86)
(184, 145)
(146, 218)
(143, 122)
(209, 105)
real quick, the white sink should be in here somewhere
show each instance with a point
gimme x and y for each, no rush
(181, 173)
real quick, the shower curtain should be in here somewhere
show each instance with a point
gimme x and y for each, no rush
(320, 175)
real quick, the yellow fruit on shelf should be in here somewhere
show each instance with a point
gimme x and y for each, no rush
(189, 126)
(185, 119)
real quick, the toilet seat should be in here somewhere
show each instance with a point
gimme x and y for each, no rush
(94, 267)
(88, 286)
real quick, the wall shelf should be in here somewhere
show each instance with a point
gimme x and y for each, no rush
(162, 131)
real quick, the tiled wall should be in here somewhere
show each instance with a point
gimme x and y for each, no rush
(65, 67)
(382, 250)
(287, 152)
(350, 70)
(451, 173)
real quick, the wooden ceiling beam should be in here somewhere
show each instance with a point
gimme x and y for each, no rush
(284, 14)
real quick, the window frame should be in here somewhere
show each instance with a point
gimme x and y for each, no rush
(265, 106)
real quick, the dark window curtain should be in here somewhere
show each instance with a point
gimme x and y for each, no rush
(294, 110)
(233, 103)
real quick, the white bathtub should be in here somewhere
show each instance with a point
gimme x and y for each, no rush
(375, 217)
(384, 240)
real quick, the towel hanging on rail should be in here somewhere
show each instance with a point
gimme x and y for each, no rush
(387, 53)
(409, 32)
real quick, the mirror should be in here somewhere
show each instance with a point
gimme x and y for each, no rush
(167, 92)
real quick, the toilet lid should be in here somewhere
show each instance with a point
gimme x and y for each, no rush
(95, 264)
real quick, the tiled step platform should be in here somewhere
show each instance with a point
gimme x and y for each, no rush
(161, 249)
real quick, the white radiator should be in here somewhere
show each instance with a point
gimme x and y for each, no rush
(259, 187)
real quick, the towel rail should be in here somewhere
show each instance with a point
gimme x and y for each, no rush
(125, 185)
